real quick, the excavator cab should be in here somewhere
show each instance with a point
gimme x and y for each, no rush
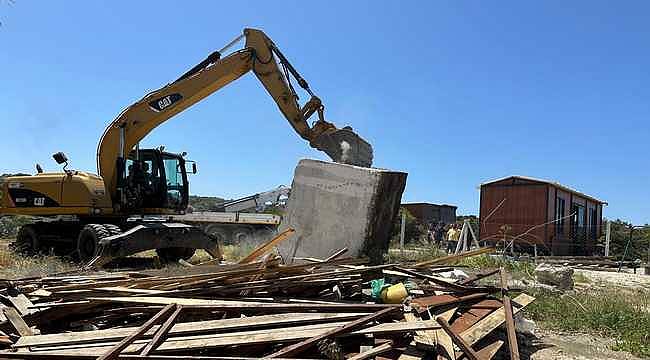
(154, 179)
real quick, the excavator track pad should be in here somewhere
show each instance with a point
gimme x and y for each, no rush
(346, 147)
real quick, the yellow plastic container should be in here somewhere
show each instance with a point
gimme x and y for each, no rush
(394, 294)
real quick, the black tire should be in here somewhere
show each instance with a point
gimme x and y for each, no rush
(222, 235)
(243, 235)
(172, 255)
(88, 240)
(27, 241)
(112, 229)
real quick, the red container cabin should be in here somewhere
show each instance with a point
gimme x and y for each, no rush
(556, 218)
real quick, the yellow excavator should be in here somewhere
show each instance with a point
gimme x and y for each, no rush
(117, 213)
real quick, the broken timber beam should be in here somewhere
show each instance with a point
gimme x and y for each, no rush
(161, 333)
(17, 322)
(351, 326)
(266, 247)
(387, 346)
(510, 322)
(115, 351)
(458, 340)
(489, 323)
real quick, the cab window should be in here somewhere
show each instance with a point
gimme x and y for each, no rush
(174, 182)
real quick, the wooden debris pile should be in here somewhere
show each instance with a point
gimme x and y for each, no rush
(264, 309)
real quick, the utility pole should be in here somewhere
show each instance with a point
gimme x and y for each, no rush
(402, 232)
(608, 233)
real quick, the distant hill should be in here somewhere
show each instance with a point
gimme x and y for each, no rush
(205, 203)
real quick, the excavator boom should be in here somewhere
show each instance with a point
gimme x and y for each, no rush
(259, 56)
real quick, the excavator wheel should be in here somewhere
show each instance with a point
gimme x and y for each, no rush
(243, 235)
(27, 242)
(113, 229)
(221, 234)
(173, 254)
(88, 240)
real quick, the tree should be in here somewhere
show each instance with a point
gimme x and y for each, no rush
(624, 233)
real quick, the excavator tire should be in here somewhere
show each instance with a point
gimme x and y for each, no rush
(243, 235)
(27, 242)
(88, 240)
(173, 254)
(220, 233)
(113, 229)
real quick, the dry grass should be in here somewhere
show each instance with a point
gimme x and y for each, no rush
(620, 315)
(15, 266)
(237, 252)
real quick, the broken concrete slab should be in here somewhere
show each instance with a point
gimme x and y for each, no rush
(559, 276)
(333, 206)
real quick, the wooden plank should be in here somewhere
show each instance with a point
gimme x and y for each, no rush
(513, 347)
(474, 314)
(424, 338)
(249, 305)
(161, 333)
(510, 327)
(80, 339)
(3, 318)
(494, 320)
(423, 303)
(268, 246)
(115, 350)
(190, 328)
(265, 336)
(40, 293)
(21, 303)
(65, 356)
(437, 281)
(458, 340)
(410, 353)
(387, 346)
(298, 348)
(478, 276)
(442, 338)
(122, 289)
(450, 258)
(17, 322)
(336, 254)
(487, 352)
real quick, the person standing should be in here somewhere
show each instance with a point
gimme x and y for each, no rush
(452, 237)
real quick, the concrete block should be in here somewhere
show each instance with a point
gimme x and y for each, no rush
(560, 276)
(333, 206)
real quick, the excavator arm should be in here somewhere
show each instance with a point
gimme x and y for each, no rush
(259, 56)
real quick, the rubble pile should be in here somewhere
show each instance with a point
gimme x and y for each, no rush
(334, 308)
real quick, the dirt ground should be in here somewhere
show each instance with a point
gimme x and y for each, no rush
(554, 345)
(551, 345)
(622, 279)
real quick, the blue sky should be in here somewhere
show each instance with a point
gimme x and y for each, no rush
(453, 92)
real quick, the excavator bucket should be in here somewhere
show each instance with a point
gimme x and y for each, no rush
(346, 147)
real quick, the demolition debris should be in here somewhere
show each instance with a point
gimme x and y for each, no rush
(334, 308)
